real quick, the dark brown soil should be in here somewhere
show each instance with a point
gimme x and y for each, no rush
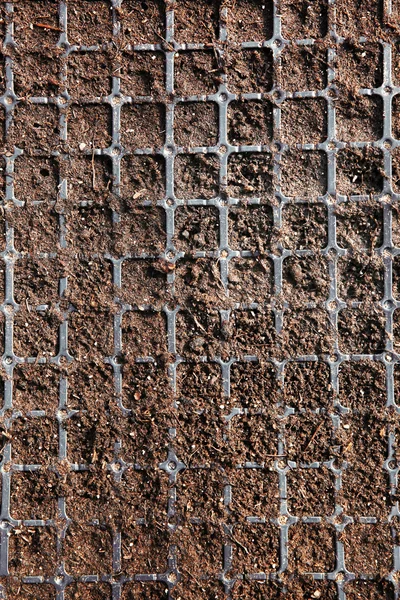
(275, 411)
(370, 389)
(34, 495)
(312, 547)
(88, 76)
(302, 20)
(305, 331)
(255, 547)
(305, 279)
(141, 74)
(359, 225)
(360, 278)
(369, 590)
(196, 124)
(251, 383)
(142, 178)
(128, 233)
(250, 175)
(88, 126)
(93, 591)
(196, 73)
(254, 493)
(37, 73)
(361, 330)
(250, 71)
(359, 171)
(142, 23)
(302, 68)
(89, 23)
(196, 228)
(372, 553)
(250, 122)
(33, 551)
(200, 27)
(250, 227)
(35, 128)
(250, 20)
(25, 591)
(87, 549)
(304, 226)
(310, 492)
(307, 385)
(359, 118)
(304, 173)
(307, 587)
(144, 591)
(309, 438)
(294, 115)
(134, 135)
(200, 494)
(196, 176)
(36, 388)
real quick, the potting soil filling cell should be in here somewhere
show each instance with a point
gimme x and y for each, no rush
(200, 250)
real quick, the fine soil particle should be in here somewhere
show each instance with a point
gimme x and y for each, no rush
(359, 118)
(250, 383)
(304, 173)
(196, 73)
(141, 73)
(249, 20)
(144, 591)
(359, 225)
(359, 171)
(250, 227)
(361, 330)
(37, 73)
(93, 591)
(250, 175)
(142, 23)
(311, 492)
(142, 178)
(198, 27)
(196, 176)
(89, 23)
(36, 388)
(204, 382)
(304, 226)
(89, 75)
(33, 496)
(360, 278)
(196, 229)
(250, 70)
(247, 276)
(305, 279)
(370, 590)
(250, 122)
(255, 547)
(372, 553)
(307, 385)
(302, 69)
(196, 124)
(303, 20)
(370, 389)
(33, 551)
(303, 121)
(135, 133)
(254, 493)
(311, 547)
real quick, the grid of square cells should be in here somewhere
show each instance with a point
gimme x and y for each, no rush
(200, 240)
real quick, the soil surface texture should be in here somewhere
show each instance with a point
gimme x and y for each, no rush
(199, 299)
